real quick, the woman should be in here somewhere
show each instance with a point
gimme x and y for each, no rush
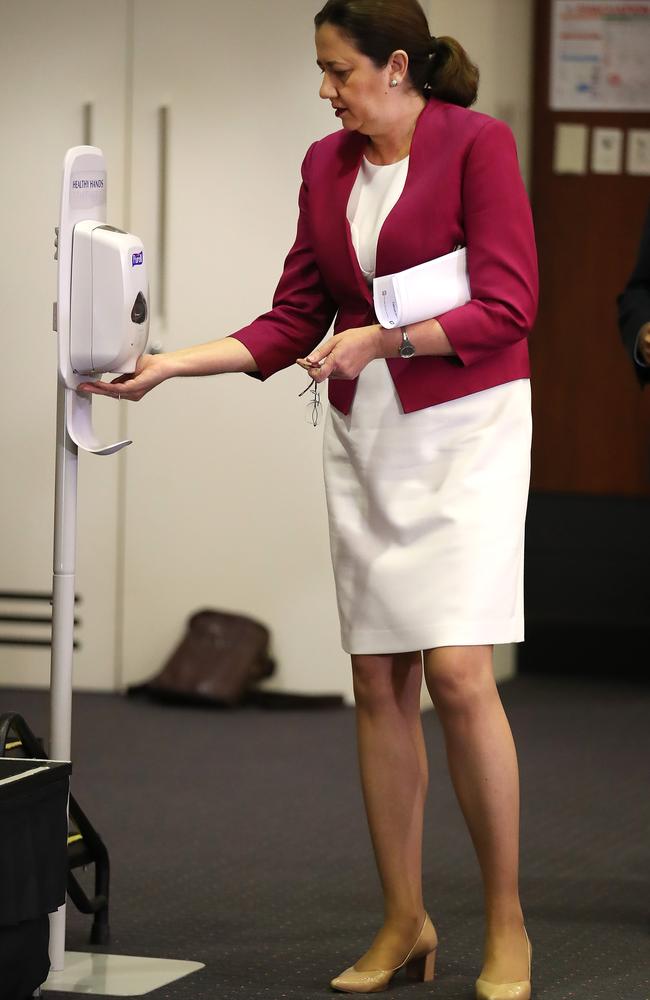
(426, 456)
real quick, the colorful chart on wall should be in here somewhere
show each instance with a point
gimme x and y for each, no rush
(600, 56)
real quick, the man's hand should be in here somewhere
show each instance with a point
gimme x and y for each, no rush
(346, 354)
(643, 343)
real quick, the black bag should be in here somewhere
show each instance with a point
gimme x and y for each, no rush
(220, 657)
(24, 959)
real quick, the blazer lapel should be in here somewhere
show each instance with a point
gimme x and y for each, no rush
(341, 391)
(419, 154)
(349, 165)
(351, 154)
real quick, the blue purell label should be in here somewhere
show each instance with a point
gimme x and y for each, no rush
(88, 188)
(137, 258)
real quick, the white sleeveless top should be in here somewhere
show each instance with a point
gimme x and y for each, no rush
(375, 192)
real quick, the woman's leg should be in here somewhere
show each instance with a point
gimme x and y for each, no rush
(394, 776)
(483, 768)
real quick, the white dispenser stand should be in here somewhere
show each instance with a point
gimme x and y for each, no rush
(83, 198)
(102, 321)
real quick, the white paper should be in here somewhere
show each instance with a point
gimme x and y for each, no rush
(638, 151)
(422, 292)
(607, 150)
(599, 55)
(570, 149)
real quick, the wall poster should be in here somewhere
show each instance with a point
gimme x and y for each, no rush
(600, 56)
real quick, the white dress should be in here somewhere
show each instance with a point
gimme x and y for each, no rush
(426, 509)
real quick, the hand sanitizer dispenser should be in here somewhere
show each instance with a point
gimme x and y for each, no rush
(102, 312)
(109, 317)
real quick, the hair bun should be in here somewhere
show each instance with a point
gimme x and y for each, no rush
(438, 66)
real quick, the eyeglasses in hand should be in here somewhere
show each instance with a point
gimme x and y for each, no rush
(314, 405)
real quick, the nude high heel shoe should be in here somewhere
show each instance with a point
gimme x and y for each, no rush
(507, 991)
(419, 963)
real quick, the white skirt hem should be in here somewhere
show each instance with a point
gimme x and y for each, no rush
(479, 633)
(427, 517)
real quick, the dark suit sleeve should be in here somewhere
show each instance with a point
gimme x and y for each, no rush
(302, 309)
(634, 302)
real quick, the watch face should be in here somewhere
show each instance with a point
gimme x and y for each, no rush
(406, 351)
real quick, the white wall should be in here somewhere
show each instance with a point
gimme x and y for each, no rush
(221, 495)
(54, 59)
(225, 504)
(236, 518)
(498, 36)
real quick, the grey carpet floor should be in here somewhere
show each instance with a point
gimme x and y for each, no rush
(238, 839)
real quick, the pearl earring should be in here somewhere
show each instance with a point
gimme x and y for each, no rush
(393, 83)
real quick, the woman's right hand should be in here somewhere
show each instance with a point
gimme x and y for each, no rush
(150, 370)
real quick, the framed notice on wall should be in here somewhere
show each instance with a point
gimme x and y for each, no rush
(600, 55)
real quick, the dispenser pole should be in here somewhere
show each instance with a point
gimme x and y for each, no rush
(63, 608)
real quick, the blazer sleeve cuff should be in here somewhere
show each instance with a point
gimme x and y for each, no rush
(252, 340)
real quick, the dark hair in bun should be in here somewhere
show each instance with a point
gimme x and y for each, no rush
(438, 67)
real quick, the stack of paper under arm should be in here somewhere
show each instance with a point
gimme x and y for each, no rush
(422, 292)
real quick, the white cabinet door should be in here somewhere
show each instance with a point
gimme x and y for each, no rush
(225, 502)
(55, 58)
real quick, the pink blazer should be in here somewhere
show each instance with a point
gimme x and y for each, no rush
(463, 186)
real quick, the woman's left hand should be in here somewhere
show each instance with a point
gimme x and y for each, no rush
(346, 354)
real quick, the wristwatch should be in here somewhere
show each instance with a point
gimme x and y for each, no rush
(406, 349)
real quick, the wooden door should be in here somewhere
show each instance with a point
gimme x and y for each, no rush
(591, 421)
(586, 543)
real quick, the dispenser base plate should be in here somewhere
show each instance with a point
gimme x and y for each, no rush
(116, 975)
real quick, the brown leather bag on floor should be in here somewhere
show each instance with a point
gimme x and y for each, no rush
(220, 657)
